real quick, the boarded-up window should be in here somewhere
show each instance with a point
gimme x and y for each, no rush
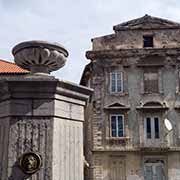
(117, 168)
(154, 170)
(179, 79)
(151, 81)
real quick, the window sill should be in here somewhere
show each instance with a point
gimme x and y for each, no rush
(118, 93)
(118, 138)
(152, 94)
(123, 141)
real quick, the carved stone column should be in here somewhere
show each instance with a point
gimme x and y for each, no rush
(40, 114)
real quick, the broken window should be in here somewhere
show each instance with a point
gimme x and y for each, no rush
(116, 81)
(117, 125)
(148, 41)
(152, 127)
(151, 83)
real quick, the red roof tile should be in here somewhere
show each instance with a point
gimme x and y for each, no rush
(10, 68)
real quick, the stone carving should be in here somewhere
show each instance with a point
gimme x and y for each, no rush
(30, 162)
(40, 56)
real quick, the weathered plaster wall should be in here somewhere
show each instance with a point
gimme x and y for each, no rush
(173, 166)
(134, 39)
(98, 120)
(102, 166)
(123, 51)
(132, 96)
(133, 164)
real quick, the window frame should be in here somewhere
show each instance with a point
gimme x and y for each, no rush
(152, 123)
(149, 91)
(178, 80)
(116, 82)
(110, 116)
(152, 41)
(154, 162)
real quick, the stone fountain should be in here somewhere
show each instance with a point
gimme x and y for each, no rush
(41, 118)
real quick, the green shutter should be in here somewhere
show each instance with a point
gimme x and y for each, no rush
(148, 173)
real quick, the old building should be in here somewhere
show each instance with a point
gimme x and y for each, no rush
(135, 76)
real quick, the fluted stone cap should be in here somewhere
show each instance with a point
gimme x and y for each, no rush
(40, 56)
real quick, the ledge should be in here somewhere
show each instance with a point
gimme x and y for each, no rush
(117, 108)
(118, 138)
(118, 94)
(137, 149)
(115, 53)
(154, 149)
(151, 108)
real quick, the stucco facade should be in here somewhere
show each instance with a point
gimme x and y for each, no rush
(138, 146)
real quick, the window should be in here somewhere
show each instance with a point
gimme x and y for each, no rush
(116, 81)
(152, 127)
(178, 80)
(154, 169)
(151, 83)
(148, 41)
(117, 125)
(117, 168)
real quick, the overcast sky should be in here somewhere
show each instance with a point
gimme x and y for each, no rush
(72, 23)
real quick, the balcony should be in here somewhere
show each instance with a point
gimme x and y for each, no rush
(119, 143)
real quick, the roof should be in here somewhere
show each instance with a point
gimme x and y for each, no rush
(147, 22)
(10, 68)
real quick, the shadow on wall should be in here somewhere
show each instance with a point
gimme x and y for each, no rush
(17, 173)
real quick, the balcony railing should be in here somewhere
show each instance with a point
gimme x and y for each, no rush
(125, 143)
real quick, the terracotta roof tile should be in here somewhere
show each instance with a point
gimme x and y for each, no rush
(10, 68)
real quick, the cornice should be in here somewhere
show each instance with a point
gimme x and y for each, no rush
(143, 52)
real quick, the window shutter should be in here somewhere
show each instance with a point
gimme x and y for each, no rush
(159, 173)
(148, 173)
(160, 81)
(119, 82)
(117, 169)
(125, 82)
(178, 81)
(142, 83)
(151, 81)
(112, 82)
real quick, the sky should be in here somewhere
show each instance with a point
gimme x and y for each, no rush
(72, 23)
